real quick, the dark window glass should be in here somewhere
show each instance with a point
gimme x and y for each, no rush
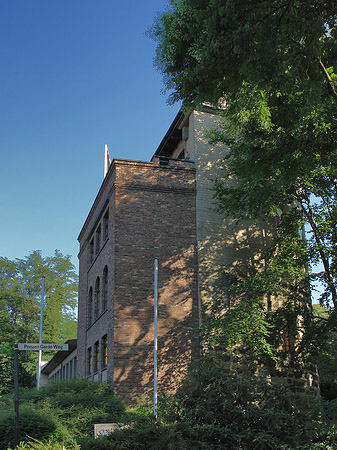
(96, 356)
(106, 289)
(89, 360)
(92, 253)
(105, 351)
(106, 225)
(97, 298)
(98, 239)
(90, 307)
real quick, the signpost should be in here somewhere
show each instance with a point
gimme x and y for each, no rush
(35, 347)
(16, 396)
(44, 347)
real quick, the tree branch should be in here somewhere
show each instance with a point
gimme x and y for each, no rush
(320, 245)
(331, 84)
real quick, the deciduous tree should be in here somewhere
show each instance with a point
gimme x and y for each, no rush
(271, 65)
(20, 296)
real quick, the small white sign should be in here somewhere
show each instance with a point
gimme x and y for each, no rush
(103, 429)
(44, 347)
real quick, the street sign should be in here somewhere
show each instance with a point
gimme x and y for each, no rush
(44, 347)
(25, 346)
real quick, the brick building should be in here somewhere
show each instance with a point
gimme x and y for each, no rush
(160, 209)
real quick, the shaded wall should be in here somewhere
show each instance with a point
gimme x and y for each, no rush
(151, 214)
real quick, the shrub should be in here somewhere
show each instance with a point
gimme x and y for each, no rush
(39, 424)
(49, 445)
(155, 436)
(64, 410)
(252, 412)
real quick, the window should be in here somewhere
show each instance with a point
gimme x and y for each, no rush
(71, 368)
(106, 225)
(96, 367)
(98, 239)
(89, 360)
(105, 289)
(90, 308)
(91, 250)
(97, 298)
(104, 351)
(75, 361)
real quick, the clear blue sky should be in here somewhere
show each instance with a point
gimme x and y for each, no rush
(74, 75)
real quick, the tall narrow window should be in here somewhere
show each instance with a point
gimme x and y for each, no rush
(89, 360)
(90, 307)
(106, 225)
(92, 251)
(105, 289)
(97, 298)
(75, 365)
(98, 239)
(104, 351)
(96, 366)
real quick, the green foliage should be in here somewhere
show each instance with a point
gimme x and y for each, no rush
(159, 436)
(245, 325)
(327, 357)
(6, 369)
(64, 411)
(279, 123)
(250, 412)
(20, 296)
(51, 444)
(32, 422)
(217, 408)
(206, 49)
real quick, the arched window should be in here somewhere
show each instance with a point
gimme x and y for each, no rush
(105, 288)
(90, 307)
(97, 298)
(106, 225)
(96, 356)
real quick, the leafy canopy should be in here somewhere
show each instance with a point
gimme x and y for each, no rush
(20, 297)
(271, 67)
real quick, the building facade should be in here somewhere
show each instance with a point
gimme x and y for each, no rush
(62, 366)
(143, 211)
(160, 209)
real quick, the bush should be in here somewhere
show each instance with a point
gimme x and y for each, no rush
(65, 410)
(49, 445)
(252, 412)
(39, 424)
(155, 436)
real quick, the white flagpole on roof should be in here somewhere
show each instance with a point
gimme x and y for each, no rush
(106, 160)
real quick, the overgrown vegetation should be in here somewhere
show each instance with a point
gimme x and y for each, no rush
(64, 411)
(217, 408)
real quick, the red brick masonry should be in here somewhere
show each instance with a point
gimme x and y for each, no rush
(151, 211)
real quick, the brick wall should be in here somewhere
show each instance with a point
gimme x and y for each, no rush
(152, 214)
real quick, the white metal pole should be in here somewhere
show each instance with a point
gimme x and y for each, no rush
(155, 337)
(38, 375)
